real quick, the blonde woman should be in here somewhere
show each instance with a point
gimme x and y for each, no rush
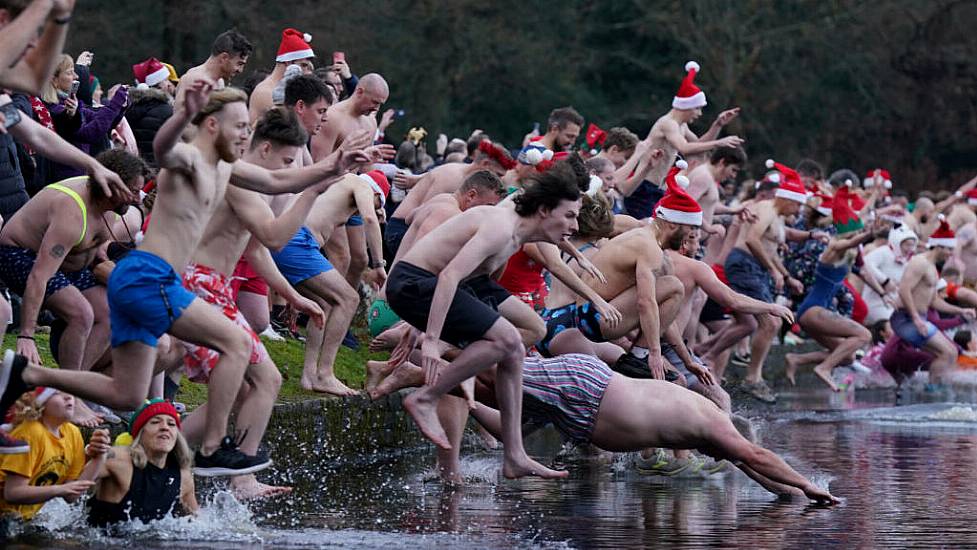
(151, 477)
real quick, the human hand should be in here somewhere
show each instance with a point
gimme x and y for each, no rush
(71, 105)
(103, 270)
(85, 58)
(28, 348)
(608, 313)
(702, 373)
(921, 326)
(109, 181)
(376, 277)
(731, 141)
(747, 215)
(819, 495)
(727, 116)
(784, 313)
(778, 281)
(657, 365)
(310, 308)
(400, 179)
(969, 314)
(406, 345)
(430, 358)
(340, 66)
(197, 94)
(441, 144)
(796, 286)
(386, 119)
(76, 488)
(717, 229)
(99, 444)
(820, 236)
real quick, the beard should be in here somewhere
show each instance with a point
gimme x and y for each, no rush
(676, 240)
(225, 149)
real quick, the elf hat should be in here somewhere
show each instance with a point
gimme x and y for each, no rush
(294, 46)
(845, 219)
(149, 409)
(689, 96)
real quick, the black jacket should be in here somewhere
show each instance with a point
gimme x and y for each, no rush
(149, 109)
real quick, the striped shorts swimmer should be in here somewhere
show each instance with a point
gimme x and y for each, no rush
(565, 390)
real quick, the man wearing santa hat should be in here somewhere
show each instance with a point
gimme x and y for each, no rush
(293, 50)
(672, 135)
(918, 293)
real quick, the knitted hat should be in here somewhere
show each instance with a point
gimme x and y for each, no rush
(791, 186)
(689, 96)
(677, 206)
(845, 219)
(150, 72)
(943, 236)
(497, 153)
(595, 137)
(149, 409)
(294, 46)
(378, 181)
(534, 153)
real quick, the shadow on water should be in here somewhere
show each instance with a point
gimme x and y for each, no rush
(906, 475)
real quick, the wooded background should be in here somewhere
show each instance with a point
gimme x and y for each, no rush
(890, 83)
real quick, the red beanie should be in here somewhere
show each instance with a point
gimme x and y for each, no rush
(150, 409)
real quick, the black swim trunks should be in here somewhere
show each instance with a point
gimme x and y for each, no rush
(583, 317)
(473, 310)
(16, 264)
(393, 235)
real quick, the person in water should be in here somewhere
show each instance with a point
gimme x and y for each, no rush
(151, 477)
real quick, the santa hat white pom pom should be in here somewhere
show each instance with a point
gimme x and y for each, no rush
(593, 152)
(548, 155)
(888, 184)
(307, 37)
(848, 183)
(691, 66)
(595, 185)
(770, 164)
(682, 181)
(942, 217)
(681, 164)
(534, 156)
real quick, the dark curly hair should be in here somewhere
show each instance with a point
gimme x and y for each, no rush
(547, 189)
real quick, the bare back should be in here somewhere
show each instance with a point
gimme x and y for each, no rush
(702, 188)
(334, 207)
(658, 141)
(225, 238)
(618, 258)
(446, 178)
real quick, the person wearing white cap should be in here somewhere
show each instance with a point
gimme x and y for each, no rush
(294, 49)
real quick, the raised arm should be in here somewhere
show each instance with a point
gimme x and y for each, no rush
(258, 217)
(27, 68)
(363, 196)
(168, 150)
(686, 146)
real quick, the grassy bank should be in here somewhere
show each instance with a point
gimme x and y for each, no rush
(288, 356)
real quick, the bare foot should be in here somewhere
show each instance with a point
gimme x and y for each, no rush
(333, 386)
(425, 415)
(388, 339)
(825, 374)
(406, 375)
(791, 368)
(529, 467)
(375, 372)
(84, 416)
(468, 390)
(489, 442)
(249, 488)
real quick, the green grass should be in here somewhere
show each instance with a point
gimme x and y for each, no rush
(350, 366)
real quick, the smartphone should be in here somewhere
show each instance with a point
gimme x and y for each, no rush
(11, 115)
(74, 88)
(338, 57)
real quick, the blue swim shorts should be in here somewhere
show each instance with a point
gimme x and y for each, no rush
(301, 259)
(145, 297)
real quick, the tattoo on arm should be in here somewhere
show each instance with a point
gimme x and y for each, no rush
(57, 251)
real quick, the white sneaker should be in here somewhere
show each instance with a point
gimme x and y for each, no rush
(270, 334)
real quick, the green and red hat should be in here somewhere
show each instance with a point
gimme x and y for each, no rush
(149, 409)
(845, 219)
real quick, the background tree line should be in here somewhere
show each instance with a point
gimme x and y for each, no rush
(855, 84)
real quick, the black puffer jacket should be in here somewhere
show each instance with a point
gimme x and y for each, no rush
(150, 108)
(12, 191)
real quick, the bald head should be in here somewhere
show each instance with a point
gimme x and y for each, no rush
(371, 93)
(923, 206)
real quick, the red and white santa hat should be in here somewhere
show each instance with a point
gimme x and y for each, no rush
(294, 46)
(677, 206)
(379, 183)
(971, 197)
(689, 96)
(943, 236)
(791, 186)
(869, 180)
(150, 72)
(825, 206)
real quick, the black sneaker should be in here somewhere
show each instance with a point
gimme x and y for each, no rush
(632, 367)
(12, 384)
(11, 446)
(228, 460)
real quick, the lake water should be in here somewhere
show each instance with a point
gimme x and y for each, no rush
(906, 475)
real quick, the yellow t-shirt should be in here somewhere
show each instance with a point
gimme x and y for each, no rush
(51, 460)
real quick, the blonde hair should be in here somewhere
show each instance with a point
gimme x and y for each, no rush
(180, 452)
(217, 101)
(596, 217)
(26, 409)
(49, 94)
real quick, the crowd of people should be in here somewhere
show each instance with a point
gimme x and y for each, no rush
(601, 283)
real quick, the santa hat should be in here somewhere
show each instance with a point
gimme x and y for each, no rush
(677, 206)
(943, 236)
(42, 394)
(791, 187)
(595, 137)
(533, 154)
(378, 181)
(825, 206)
(972, 197)
(150, 72)
(869, 180)
(294, 46)
(689, 96)
(845, 219)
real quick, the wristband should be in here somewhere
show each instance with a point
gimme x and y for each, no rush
(25, 337)
(62, 20)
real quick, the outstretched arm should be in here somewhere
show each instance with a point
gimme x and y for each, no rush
(681, 143)
(260, 220)
(27, 68)
(549, 256)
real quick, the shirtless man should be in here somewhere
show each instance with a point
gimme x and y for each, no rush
(753, 267)
(672, 135)
(243, 224)
(31, 42)
(638, 284)
(446, 178)
(562, 129)
(146, 298)
(917, 294)
(228, 56)
(442, 286)
(293, 50)
(704, 181)
(67, 221)
(354, 115)
(313, 276)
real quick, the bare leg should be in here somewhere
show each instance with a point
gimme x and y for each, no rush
(405, 375)
(331, 288)
(946, 356)
(453, 413)
(388, 339)
(743, 325)
(358, 257)
(255, 309)
(98, 337)
(760, 346)
(337, 250)
(845, 336)
(529, 324)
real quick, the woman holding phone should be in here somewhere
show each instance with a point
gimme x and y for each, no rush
(84, 127)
